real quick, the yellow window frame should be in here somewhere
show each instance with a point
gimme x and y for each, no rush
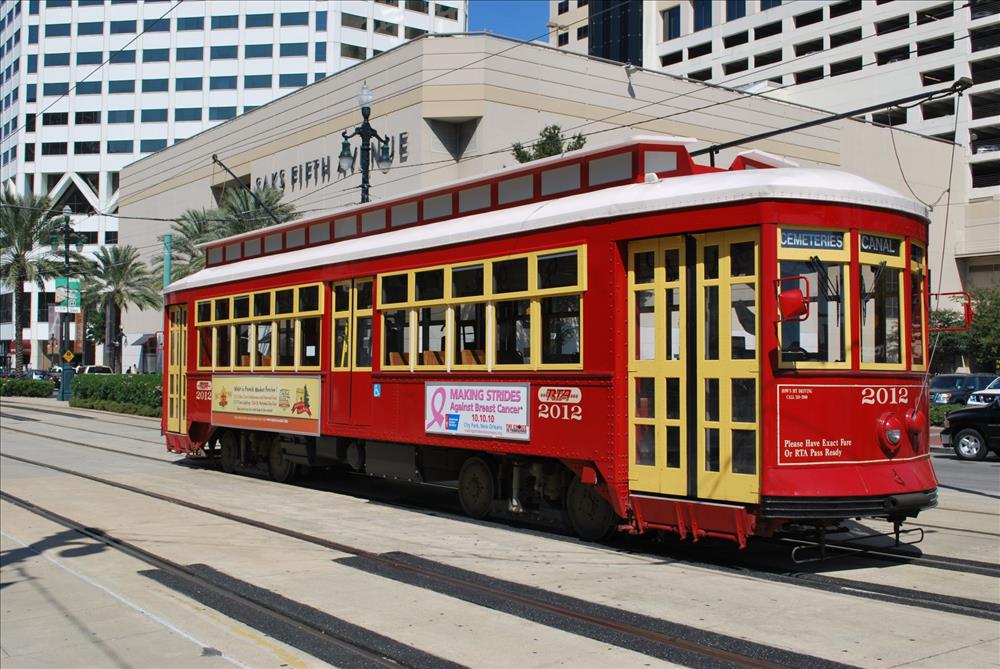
(921, 267)
(369, 312)
(841, 255)
(894, 262)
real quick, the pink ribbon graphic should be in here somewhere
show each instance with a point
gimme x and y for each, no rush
(437, 414)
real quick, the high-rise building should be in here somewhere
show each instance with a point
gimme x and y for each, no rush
(89, 86)
(840, 55)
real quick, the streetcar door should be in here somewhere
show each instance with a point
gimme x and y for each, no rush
(177, 369)
(727, 383)
(350, 381)
(658, 356)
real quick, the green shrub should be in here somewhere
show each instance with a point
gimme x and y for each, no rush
(139, 390)
(26, 388)
(117, 407)
(939, 411)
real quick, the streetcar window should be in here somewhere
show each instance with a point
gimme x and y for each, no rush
(673, 398)
(233, 251)
(742, 257)
(222, 309)
(342, 297)
(744, 400)
(243, 345)
(672, 264)
(204, 312)
(241, 306)
(821, 336)
(272, 243)
(711, 449)
(712, 400)
(204, 348)
(917, 302)
(262, 351)
(744, 451)
(341, 342)
(364, 296)
(561, 329)
(470, 334)
(645, 444)
(743, 321)
(404, 214)
(673, 315)
(467, 281)
(251, 247)
(472, 199)
(397, 338)
(394, 289)
(643, 265)
(645, 325)
(215, 255)
(363, 337)
(345, 227)
(607, 170)
(712, 262)
(286, 342)
(515, 190)
(262, 304)
(284, 301)
(711, 322)
(373, 220)
(319, 232)
(513, 332)
(430, 285)
(645, 398)
(431, 330)
(673, 447)
(223, 341)
(309, 298)
(880, 314)
(295, 238)
(510, 276)
(560, 179)
(558, 270)
(309, 336)
(437, 206)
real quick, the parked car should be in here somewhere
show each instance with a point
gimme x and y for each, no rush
(94, 369)
(986, 395)
(973, 431)
(39, 375)
(956, 388)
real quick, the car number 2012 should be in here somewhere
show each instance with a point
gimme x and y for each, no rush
(560, 411)
(885, 395)
(203, 395)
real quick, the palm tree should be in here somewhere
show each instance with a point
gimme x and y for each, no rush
(26, 226)
(241, 212)
(121, 279)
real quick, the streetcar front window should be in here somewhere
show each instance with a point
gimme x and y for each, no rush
(821, 337)
(880, 314)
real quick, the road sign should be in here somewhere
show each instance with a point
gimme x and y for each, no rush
(68, 356)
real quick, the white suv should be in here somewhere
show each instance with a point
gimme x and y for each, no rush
(986, 395)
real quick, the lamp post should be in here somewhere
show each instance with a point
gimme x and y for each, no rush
(66, 383)
(383, 158)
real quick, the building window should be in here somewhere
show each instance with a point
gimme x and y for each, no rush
(227, 21)
(769, 58)
(152, 145)
(892, 55)
(222, 83)
(120, 146)
(729, 41)
(122, 57)
(935, 45)
(563, 39)
(806, 48)
(221, 113)
(767, 30)
(671, 58)
(155, 85)
(321, 20)
(562, 7)
(191, 23)
(56, 59)
(119, 27)
(153, 115)
(87, 118)
(155, 55)
(890, 117)
(187, 114)
(84, 148)
(31, 93)
(190, 53)
(188, 84)
(701, 75)
(88, 88)
(736, 9)
(57, 30)
(937, 109)
(258, 50)
(90, 28)
(29, 123)
(295, 18)
(32, 34)
(702, 14)
(421, 6)
(55, 118)
(846, 7)
(32, 63)
(225, 52)
(260, 20)
(582, 32)
(699, 50)
(353, 21)
(29, 153)
(939, 76)
(846, 37)
(809, 18)
(937, 13)
(121, 116)
(121, 86)
(295, 49)
(319, 76)
(671, 23)
(446, 12)
(892, 25)
(321, 51)
(386, 28)
(53, 148)
(55, 88)
(413, 33)
(845, 66)
(111, 236)
(735, 66)
(812, 74)
(292, 80)
(161, 25)
(769, 4)
(985, 38)
(257, 81)
(352, 51)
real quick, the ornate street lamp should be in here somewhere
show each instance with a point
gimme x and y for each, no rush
(66, 383)
(383, 158)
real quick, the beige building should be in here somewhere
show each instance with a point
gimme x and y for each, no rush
(452, 106)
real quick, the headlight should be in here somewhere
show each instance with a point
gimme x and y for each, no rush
(945, 397)
(890, 429)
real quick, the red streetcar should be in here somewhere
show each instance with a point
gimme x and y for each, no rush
(618, 337)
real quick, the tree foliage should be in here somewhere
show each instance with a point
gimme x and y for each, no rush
(550, 143)
(238, 212)
(978, 346)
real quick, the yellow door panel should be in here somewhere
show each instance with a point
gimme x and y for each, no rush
(177, 369)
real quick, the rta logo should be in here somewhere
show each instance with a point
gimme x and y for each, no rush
(567, 395)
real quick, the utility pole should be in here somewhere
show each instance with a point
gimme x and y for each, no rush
(66, 382)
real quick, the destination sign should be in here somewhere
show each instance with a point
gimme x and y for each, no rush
(811, 239)
(886, 246)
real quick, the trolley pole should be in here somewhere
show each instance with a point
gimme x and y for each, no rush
(366, 132)
(66, 382)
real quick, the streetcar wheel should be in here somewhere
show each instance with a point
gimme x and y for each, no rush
(279, 467)
(476, 488)
(229, 452)
(590, 514)
(970, 445)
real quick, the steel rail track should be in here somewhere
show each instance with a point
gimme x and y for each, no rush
(103, 417)
(717, 655)
(75, 429)
(321, 635)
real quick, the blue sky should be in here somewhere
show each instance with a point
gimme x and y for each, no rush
(523, 19)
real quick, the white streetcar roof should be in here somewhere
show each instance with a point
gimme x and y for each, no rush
(682, 192)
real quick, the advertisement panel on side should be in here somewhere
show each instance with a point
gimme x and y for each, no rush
(67, 295)
(288, 404)
(496, 410)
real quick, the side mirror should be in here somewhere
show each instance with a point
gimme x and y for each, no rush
(793, 303)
